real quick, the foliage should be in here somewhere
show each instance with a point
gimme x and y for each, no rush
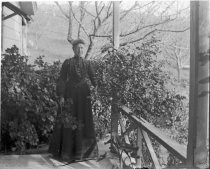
(28, 100)
(132, 76)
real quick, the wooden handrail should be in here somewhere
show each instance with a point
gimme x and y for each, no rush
(151, 150)
(180, 151)
(128, 161)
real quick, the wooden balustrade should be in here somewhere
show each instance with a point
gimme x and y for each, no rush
(196, 151)
(180, 151)
(144, 131)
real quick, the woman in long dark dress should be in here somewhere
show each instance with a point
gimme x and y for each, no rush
(73, 87)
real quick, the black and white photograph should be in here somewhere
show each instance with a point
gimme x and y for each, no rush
(105, 84)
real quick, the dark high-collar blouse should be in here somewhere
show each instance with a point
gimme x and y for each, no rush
(74, 71)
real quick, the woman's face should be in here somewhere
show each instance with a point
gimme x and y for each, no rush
(79, 50)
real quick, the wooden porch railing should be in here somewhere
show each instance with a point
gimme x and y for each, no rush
(144, 131)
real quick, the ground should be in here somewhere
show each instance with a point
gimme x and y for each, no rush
(45, 161)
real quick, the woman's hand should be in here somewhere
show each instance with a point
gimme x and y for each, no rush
(61, 101)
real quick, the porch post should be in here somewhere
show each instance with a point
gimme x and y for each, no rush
(116, 31)
(2, 36)
(203, 83)
(116, 23)
(199, 83)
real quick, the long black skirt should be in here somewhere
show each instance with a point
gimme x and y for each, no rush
(77, 142)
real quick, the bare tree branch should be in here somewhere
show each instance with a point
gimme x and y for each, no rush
(89, 47)
(155, 30)
(168, 7)
(69, 36)
(140, 7)
(153, 8)
(96, 7)
(177, 31)
(88, 12)
(180, 47)
(61, 9)
(141, 28)
(79, 22)
(96, 28)
(100, 36)
(175, 14)
(139, 39)
(129, 10)
(101, 11)
(110, 4)
(98, 13)
(165, 43)
(82, 14)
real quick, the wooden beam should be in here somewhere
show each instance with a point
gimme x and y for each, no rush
(116, 24)
(2, 36)
(151, 150)
(16, 10)
(197, 151)
(179, 166)
(129, 129)
(193, 78)
(114, 121)
(201, 151)
(180, 151)
(139, 145)
(9, 16)
(123, 130)
(125, 159)
(128, 161)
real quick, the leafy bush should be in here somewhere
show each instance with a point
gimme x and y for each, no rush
(132, 76)
(29, 103)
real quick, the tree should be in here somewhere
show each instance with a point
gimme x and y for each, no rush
(137, 23)
(175, 46)
(177, 52)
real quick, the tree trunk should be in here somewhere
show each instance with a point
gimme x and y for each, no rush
(69, 36)
(89, 48)
(82, 14)
(179, 74)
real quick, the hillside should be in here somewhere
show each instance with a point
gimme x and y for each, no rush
(47, 34)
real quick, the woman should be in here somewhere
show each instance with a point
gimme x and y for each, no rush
(73, 87)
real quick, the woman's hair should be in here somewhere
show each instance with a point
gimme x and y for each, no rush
(76, 42)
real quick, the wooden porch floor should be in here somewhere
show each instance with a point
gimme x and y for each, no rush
(45, 161)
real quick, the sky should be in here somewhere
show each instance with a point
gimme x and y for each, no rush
(126, 4)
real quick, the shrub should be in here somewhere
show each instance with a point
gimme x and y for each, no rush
(29, 103)
(132, 76)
